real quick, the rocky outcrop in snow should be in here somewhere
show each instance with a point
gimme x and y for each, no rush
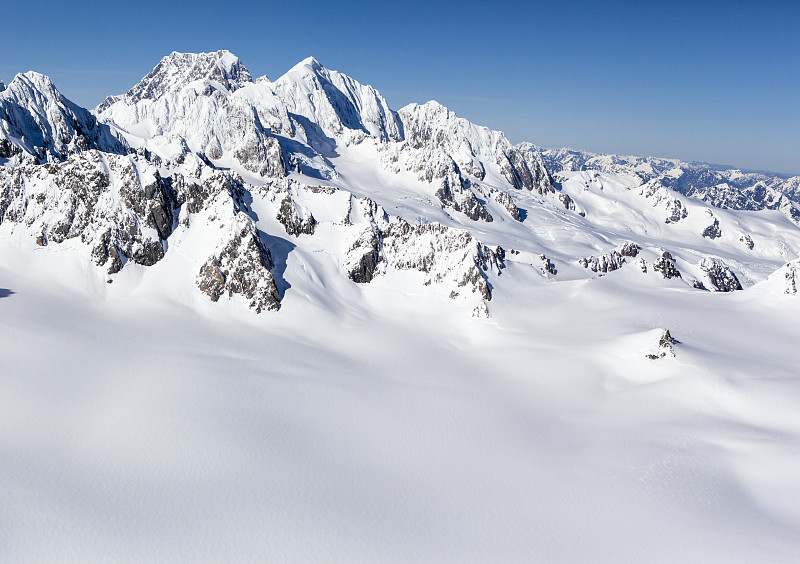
(120, 207)
(791, 274)
(713, 231)
(240, 267)
(447, 256)
(613, 260)
(665, 265)
(719, 275)
(665, 347)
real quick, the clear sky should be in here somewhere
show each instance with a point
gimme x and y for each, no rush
(705, 80)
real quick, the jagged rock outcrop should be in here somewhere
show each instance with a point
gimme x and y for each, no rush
(363, 257)
(665, 265)
(120, 207)
(447, 256)
(548, 267)
(507, 201)
(613, 260)
(665, 347)
(792, 276)
(295, 219)
(456, 196)
(785, 280)
(713, 231)
(240, 267)
(719, 275)
(674, 210)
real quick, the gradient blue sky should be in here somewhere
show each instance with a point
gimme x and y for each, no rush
(714, 81)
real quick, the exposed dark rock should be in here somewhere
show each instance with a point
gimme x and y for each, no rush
(665, 347)
(505, 200)
(713, 231)
(210, 279)
(262, 155)
(461, 199)
(792, 275)
(293, 220)
(548, 267)
(241, 267)
(720, 276)
(666, 266)
(566, 201)
(675, 211)
(367, 254)
(613, 260)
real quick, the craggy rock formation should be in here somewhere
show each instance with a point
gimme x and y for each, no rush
(713, 231)
(548, 267)
(665, 265)
(119, 206)
(720, 276)
(612, 260)
(294, 219)
(241, 266)
(665, 347)
(446, 255)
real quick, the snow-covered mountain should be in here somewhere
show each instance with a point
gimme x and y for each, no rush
(731, 188)
(198, 141)
(37, 121)
(245, 319)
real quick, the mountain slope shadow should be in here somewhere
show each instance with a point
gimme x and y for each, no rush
(279, 248)
(5, 292)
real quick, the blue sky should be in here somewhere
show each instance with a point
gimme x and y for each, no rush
(715, 81)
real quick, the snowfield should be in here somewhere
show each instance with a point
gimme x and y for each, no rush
(144, 425)
(244, 320)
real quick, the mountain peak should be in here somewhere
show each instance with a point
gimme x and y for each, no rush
(33, 80)
(309, 63)
(42, 122)
(176, 70)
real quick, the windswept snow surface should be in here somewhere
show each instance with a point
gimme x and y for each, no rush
(145, 424)
(460, 357)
